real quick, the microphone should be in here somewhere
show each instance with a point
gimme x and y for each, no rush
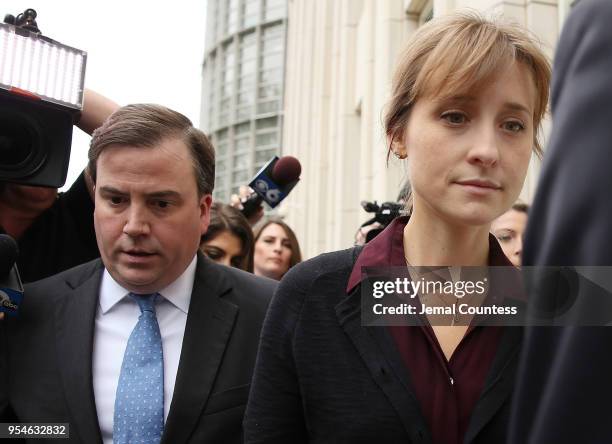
(272, 183)
(11, 288)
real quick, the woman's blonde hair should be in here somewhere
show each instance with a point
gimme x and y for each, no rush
(458, 53)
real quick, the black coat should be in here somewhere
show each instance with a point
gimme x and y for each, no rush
(321, 377)
(46, 354)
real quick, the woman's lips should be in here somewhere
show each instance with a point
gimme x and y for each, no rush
(276, 260)
(479, 187)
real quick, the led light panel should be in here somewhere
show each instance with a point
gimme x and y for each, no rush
(41, 66)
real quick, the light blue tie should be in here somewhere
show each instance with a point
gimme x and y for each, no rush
(139, 401)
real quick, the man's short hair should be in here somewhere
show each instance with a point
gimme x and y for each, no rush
(146, 125)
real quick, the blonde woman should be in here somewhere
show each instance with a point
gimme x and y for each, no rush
(467, 100)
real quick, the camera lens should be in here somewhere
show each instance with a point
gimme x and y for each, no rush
(20, 146)
(15, 146)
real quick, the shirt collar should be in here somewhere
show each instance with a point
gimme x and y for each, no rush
(178, 292)
(387, 250)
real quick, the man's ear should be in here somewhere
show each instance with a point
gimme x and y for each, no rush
(205, 204)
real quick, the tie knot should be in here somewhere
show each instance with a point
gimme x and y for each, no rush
(146, 302)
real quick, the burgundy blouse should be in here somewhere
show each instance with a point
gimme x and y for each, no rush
(447, 391)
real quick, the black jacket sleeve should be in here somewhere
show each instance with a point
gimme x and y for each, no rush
(274, 411)
(60, 238)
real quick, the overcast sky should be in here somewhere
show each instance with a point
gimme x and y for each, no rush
(137, 51)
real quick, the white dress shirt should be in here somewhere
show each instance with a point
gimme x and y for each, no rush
(116, 317)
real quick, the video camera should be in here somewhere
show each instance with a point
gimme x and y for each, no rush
(41, 95)
(383, 214)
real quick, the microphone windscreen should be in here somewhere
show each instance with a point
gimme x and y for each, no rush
(8, 254)
(286, 170)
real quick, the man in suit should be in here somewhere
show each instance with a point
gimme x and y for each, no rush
(153, 342)
(565, 377)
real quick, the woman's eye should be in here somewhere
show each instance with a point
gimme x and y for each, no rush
(514, 126)
(455, 118)
(213, 254)
(504, 238)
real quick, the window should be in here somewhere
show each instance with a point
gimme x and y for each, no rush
(220, 166)
(242, 144)
(240, 177)
(262, 156)
(268, 107)
(227, 82)
(243, 128)
(241, 161)
(220, 144)
(274, 9)
(250, 13)
(266, 139)
(231, 16)
(246, 77)
(269, 91)
(209, 73)
(270, 122)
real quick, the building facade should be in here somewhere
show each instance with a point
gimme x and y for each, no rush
(340, 59)
(242, 87)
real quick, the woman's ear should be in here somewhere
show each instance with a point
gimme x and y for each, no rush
(399, 149)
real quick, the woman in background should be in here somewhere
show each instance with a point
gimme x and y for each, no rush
(509, 229)
(276, 249)
(229, 239)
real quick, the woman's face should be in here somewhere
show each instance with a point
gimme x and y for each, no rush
(509, 229)
(272, 252)
(225, 248)
(468, 155)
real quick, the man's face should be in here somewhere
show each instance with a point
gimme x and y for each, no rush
(148, 216)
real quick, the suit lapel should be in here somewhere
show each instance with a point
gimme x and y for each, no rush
(376, 349)
(209, 326)
(499, 383)
(75, 322)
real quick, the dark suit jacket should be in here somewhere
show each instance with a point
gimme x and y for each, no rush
(47, 365)
(565, 383)
(322, 377)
